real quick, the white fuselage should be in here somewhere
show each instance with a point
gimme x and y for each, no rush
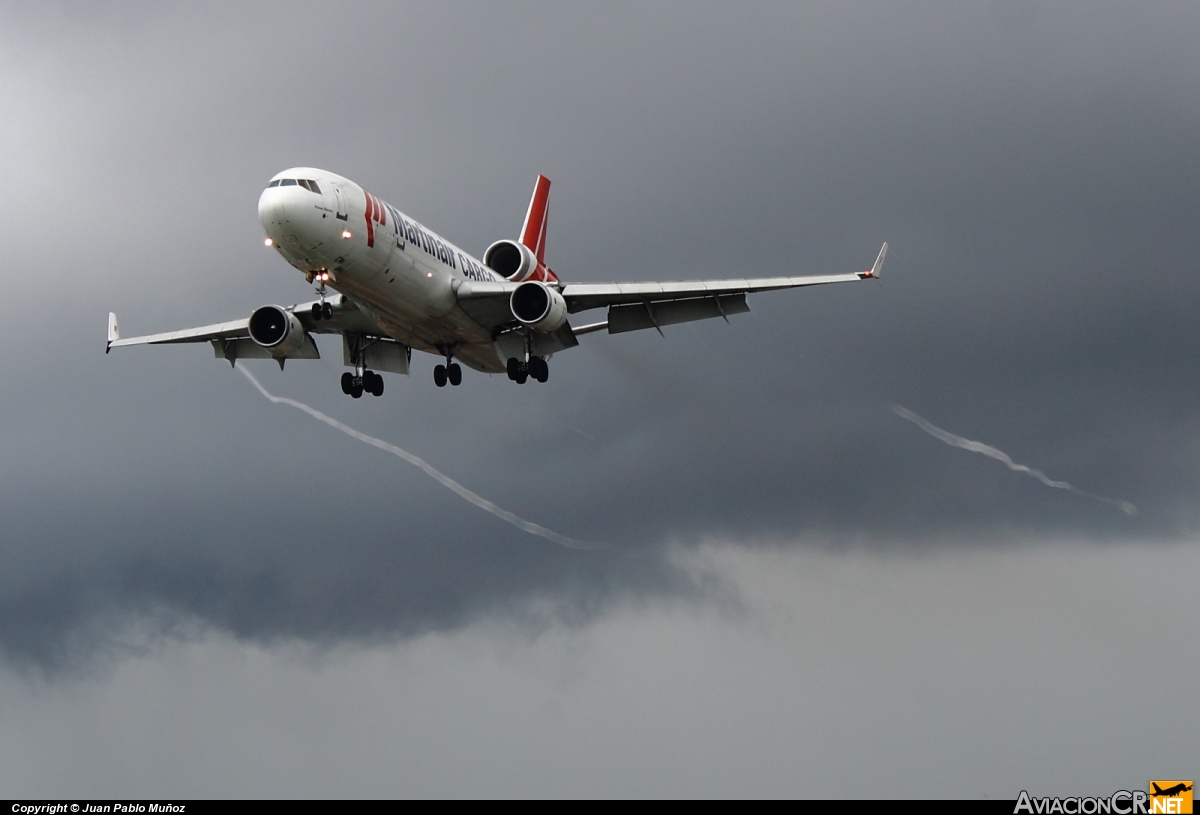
(402, 275)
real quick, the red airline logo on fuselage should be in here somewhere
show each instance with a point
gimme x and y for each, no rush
(374, 213)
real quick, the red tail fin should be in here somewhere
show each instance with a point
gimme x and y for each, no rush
(533, 233)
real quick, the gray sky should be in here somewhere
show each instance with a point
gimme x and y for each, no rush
(177, 548)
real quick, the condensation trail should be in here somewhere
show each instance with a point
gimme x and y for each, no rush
(445, 480)
(1000, 455)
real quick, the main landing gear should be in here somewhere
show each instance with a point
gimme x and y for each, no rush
(369, 382)
(451, 373)
(536, 367)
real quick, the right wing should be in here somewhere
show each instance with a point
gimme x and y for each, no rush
(231, 340)
(234, 329)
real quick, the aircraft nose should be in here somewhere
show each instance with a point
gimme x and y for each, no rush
(290, 211)
(275, 208)
(268, 211)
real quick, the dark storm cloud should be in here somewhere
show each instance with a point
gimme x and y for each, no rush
(1032, 168)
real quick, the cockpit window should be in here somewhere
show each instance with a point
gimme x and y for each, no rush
(307, 183)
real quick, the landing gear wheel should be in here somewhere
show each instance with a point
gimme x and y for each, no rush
(439, 375)
(316, 311)
(538, 369)
(327, 311)
(373, 383)
(347, 383)
(454, 374)
(521, 377)
(514, 368)
(357, 391)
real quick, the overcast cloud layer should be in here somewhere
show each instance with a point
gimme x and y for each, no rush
(1032, 166)
(962, 674)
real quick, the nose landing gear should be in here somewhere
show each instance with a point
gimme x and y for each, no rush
(321, 310)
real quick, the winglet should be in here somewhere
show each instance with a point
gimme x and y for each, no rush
(878, 267)
(114, 331)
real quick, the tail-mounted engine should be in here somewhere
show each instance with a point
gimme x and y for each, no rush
(517, 262)
(277, 330)
(538, 306)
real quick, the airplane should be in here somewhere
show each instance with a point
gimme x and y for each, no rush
(400, 286)
(1170, 792)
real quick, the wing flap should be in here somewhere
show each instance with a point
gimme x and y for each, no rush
(246, 348)
(671, 312)
(378, 353)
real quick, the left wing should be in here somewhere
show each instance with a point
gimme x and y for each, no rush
(633, 306)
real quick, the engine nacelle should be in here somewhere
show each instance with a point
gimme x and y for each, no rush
(512, 260)
(538, 306)
(276, 329)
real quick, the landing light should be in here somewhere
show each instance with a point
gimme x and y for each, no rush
(429, 274)
(268, 242)
(346, 234)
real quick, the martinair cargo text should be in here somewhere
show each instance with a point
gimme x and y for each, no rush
(401, 287)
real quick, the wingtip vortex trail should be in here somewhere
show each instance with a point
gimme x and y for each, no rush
(999, 455)
(443, 479)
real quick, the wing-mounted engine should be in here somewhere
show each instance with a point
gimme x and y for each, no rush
(516, 262)
(278, 331)
(538, 306)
